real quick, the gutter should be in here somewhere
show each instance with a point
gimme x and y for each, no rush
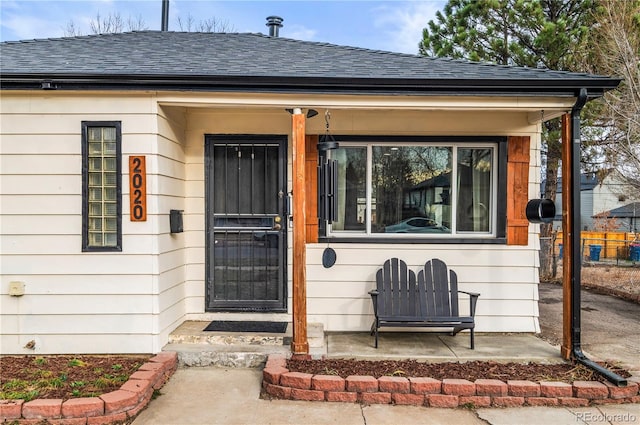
(295, 84)
(576, 263)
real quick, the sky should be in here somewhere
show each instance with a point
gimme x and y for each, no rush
(383, 25)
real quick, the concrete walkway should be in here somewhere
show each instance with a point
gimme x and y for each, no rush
(210, 395)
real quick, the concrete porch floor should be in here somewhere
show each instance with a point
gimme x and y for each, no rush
(197, 347)
(437, 347)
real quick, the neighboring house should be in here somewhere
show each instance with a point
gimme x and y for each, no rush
(598, 196)
(147, 179)
(613, 198)
(587, 183)
(628, 216)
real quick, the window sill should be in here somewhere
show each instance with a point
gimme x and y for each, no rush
(423, 241)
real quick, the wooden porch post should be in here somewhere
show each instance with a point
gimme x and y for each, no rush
(299, 343)
(567, 240)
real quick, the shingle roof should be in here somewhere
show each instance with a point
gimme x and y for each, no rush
(204, 57)
(629, 210)
(587, 182)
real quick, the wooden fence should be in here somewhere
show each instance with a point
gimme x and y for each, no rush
(614, 245)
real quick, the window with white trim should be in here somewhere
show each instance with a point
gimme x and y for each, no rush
(101, 186)
(417, 188)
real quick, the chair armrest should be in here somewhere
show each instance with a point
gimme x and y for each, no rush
(473, 298)
(374, 299)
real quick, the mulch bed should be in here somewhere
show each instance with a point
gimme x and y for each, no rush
(472, 370)
(69, 376)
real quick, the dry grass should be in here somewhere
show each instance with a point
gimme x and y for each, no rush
(620, 281)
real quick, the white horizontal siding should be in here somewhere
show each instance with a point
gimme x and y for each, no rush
(19, 204)
(77, 284)
(92, 263)
(161, 276)
(63, 184)
(38, 164)
(70, 124)
(58, 324)
(74, 301)
(170, 189)
(505, 277)
(54, 304)
(72, 343)
(26, 144)
(67, 244)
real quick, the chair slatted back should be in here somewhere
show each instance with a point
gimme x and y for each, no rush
(440, 289)
(396, 285)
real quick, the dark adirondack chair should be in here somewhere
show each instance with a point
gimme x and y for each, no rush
(431, 301)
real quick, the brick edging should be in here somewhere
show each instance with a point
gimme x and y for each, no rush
(114, 407)
(279, 382)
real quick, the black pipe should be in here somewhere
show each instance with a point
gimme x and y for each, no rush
(274, 23)
(576, 256)
(165, 15)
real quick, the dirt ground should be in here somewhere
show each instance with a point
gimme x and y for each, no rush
(622, 282)
(610, 325)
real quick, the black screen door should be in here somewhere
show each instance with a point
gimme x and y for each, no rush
(245, 182)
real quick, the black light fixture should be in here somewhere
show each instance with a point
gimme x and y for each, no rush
(310, 112)
(540, 211)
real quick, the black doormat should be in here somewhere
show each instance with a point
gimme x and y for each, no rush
(240, 326)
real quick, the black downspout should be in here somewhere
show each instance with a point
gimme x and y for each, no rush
(576, 348)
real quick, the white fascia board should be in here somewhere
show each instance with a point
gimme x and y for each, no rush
(533, 105)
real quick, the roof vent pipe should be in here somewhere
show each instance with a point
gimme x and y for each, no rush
(274, 23)
(165, 15)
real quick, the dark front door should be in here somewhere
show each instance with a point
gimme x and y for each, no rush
(245, 180)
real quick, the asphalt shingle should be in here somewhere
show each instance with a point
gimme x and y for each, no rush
(241, 55)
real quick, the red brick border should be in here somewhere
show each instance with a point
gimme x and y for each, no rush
(280, 383)
(111, 408)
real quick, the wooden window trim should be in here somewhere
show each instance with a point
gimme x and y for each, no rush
(518, 161)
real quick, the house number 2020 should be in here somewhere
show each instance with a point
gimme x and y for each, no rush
(138, 188)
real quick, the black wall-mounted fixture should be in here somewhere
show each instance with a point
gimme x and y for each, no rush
(328, 257)
(175, 221)
(310, 112)
(540, 211)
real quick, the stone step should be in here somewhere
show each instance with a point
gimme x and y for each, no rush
(196, 347)
(194, 355)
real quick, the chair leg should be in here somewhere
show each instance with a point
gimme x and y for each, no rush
(376, 345)
(472, 342)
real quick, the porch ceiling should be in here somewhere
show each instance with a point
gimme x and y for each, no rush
(538, 109)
